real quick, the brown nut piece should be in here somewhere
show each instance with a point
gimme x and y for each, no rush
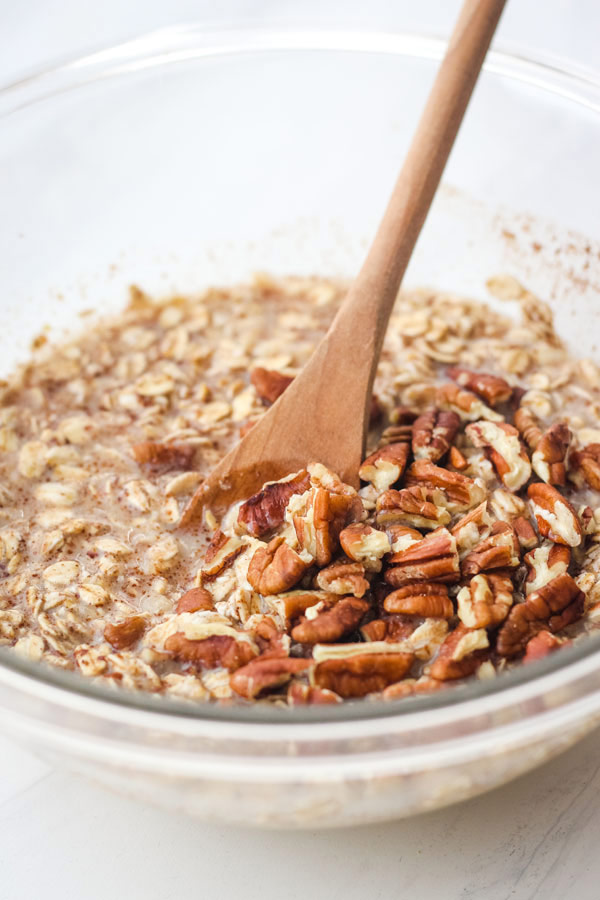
(394, 629)
(548, 459)
(544, 564)
(331, 625)
(542, 644)
(269, 384)
(291, 605)
(411, 506)
(266, 510)
(461, 653)
(358, 676)
(500, 550)
(365, 544)
(269, 639)
(526, 533)
(157, 457)
(411, 686)
(262, 675)
(343, 578)
(552, 607)
(328, 513)
(472, 528)
(434, 558)
(122, 635)
(556, 519)
(220, 554)
(386, 466)
(216, 651)
(459, 491)
(586, 463)
(457, 460)
(194, 600)
(275, 568)
(504, 449)
(466, 404)
(426, 600)
(433, 433)
(300, 694)
(485, 601)
(493, 389)
(528, 427)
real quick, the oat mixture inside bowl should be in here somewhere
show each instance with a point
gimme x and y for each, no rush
(470, 545)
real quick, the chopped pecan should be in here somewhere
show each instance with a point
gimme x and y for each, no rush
(269, 384)
(402, 537)
(194, 600)
(321, 519)
(365, 544)
(218, 650)
(394, 628)
(411, 686)
(275, 567)
(343, 578)
(122, 635)
(386, 466)
(460, 654)
(500, 550)
(528, 427)
(556, 519)
(332, 624)
(493, 389)
(433, 433)
(262, 675)
(541, 645)
(266, 510)
(548, 459)
(466, 404)
(434, 558)
(426, 600)
(457, 460)
(269, 639)
(459, 491)
(157, 457)
(366, 673)
(586, 462)
(220, 554)
(300, 694)
(485, 601)
(470, 530)
(413, 506)
(552, 607)
(293, 604)
(544, 564)
(504, 449)
(396, 434)
(525, 532)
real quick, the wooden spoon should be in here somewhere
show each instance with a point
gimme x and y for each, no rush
(323, 415)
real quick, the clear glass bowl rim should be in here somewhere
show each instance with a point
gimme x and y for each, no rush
(169, 46)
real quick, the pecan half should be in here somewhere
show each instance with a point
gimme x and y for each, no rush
(528, 427)
(541, 645)
(548, 459)
(470, 530)
(485, 601)
(461, 653)
(500, 550)
(552, 607)
(544, 564)
(357, 676)
(122, 635)
(400, 433)
(412, 506)
(459, 491)
(194, 600)
(556, 519)
(291, 605)
(492, 388)
(433, 433)
(426, 600)
(586, 462)
(275, 568)
(216, 651)
(319, 524)
(504, 449)
(300, 694)
(386, 466)
(343, 578)
(220, 554)
(466, 404)
(365, 544)
(402, 537)
(434, 558)
(269, 639)
(157, 457)
(525, 532)
(332, 624)
(262, 675)
(269, 384)
(266, 510)
(395, 629)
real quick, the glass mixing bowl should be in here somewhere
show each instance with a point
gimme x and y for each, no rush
(188, 158)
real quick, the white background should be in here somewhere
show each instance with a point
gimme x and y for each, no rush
(62, 838)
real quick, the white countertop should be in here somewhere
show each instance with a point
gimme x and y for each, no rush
(64, 838)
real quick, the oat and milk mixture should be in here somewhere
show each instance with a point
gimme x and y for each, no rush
(471, 544)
